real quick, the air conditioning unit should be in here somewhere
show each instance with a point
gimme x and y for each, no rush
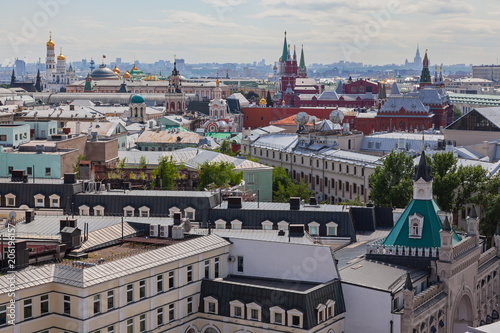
(231, 259)
(153, 230)
(163, 231)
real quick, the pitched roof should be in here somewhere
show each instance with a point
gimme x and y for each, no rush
(475, 120)
(400, 234)
(423, 170)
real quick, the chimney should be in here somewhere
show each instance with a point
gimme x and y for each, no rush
(77, 128)
(312, 201)
(234, 202)
(39, 149)
(177, 218)
(72, 107)
(94, 136)
(294, 203)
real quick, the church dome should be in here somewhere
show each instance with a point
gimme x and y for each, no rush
(126, 75)
(137, 99)
(116, 70)
(51, 43)
(103, 73)
(61, 57)
(263, 101)
(134, 68)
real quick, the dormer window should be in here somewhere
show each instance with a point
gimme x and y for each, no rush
(267, 225)
(128, 211)
(83, 210)
(416, 223)
(54, 201)
(220, 224)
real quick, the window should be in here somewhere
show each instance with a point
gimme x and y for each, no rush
(296, 321)
(44, 304)
(295, 318)
(416, 222)
(144, 211)
(237, 311)
(207, 269)
(142, 289)
(84, 210)
(130, 326)
(220, 224)
(340, 185)
(362, 190)
(236, 224)
(254, 311)
(10, 170)
(159, 284)
(313, 228)
(331, 229)
(171, 312)
(130, 293)
(159, 317)
(354, 188)
(128, 211)
(97, 304)
(190, 213)
(189, 277)
(3, 137)
(189, 305)
(171, 281)
(28, 309)
(340, 167)
(67, 305)
(111, 300)
(29, 170)
(216, 268)
(267, 225)
(3, 315)
(111, 329)
(347, 169)
(240, 264)
(11, 201)
(47, 172)
(395, 304)
(142, 323)
(211, 304)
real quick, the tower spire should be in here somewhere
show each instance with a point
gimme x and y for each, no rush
(284, 56)
(294, 53)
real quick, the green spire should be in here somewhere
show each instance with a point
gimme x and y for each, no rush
(284, 57)
(88, 84)
(425, 77)
(302, 61)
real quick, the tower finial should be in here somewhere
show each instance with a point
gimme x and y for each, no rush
(423, 140)
(285, 33)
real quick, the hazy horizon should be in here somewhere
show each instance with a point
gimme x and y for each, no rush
(205, 31)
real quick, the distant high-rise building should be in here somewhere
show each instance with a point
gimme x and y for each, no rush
(488, 72)
(118, 61)
(417, 61)
(20, 67)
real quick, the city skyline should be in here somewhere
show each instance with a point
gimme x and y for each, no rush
(222, 31)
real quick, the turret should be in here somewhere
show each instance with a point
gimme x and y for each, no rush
(50, 63)
(38, 83)
(473, 224)
(422, 182)
(446, 237)
(302, 64)
(408, 292)
(425, 76)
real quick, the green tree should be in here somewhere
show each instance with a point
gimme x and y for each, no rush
(225, 148)
(471, 179)
(252, 96)
(489, 197)
(76, 166)
(167, 171)
(269, 100)
(284, 187)
(456, 113)
(121, 163)
(142, 162)
(444, 172)
(220, 174)
(391, 184)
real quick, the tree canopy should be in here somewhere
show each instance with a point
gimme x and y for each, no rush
(391, 184)
(284, 187)
(446, 180)
(220, 174)
(167, 172)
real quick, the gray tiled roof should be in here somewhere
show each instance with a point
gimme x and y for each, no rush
(411, 104)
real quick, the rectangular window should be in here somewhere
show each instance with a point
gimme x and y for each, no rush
(354, 188)
(355, 169)
(347, 169)
(207, 269)
(314, 230)
(211, 307)
(190, 305)
(29, 170)
(130, 326)
(111, 329)
(216, 268)
(3, 315)
(395, 304)
(11, 202)
(28, 308)
(189, 276)
(39, 202)
(44, 304)
(171, 312)
(159, 317)
(237, 311)
(240, 264)
(67, 305)
(142, 289)
(296, 321)
(254, 314)
(278, 318)
(3, 137)
(97, 304)
(362, 190)
(10, 170)
(142, 323)
(159, 283)
(329, 311)
(111, 300)
(130, 293)
(47, 172)
(171, 281)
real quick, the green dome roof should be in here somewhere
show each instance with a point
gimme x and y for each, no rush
(137, 99)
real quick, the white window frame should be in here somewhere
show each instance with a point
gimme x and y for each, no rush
(173, 210)
(321, 313)
(415, 224)
(128, 211)
(52, 198)
(190, 213)
(329, 227)
(209, 299)
(10, 196)
(254, 306)
(267, 225)
(145, 210)
(37, 197)
(312, 225)
(83, 210)
(283, 225)
(236, 224)
(330, 304)
(236, 304)
(98, 210)
(295, 312)
(220, 224)
(273, 311)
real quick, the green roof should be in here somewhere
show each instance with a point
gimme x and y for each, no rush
(302, 61)
(137, 99)
(399, 234)
(284, 56)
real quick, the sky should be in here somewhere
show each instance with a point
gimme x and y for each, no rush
(374, 32)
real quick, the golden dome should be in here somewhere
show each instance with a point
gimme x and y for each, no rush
(117, 71)
(126, 75)
(51, 43)
(263, 101)
(61, 57)
(134, 68)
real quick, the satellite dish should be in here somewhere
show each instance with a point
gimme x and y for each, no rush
(301, 118)
(12, 215)
(336, 116)
(313, 119)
